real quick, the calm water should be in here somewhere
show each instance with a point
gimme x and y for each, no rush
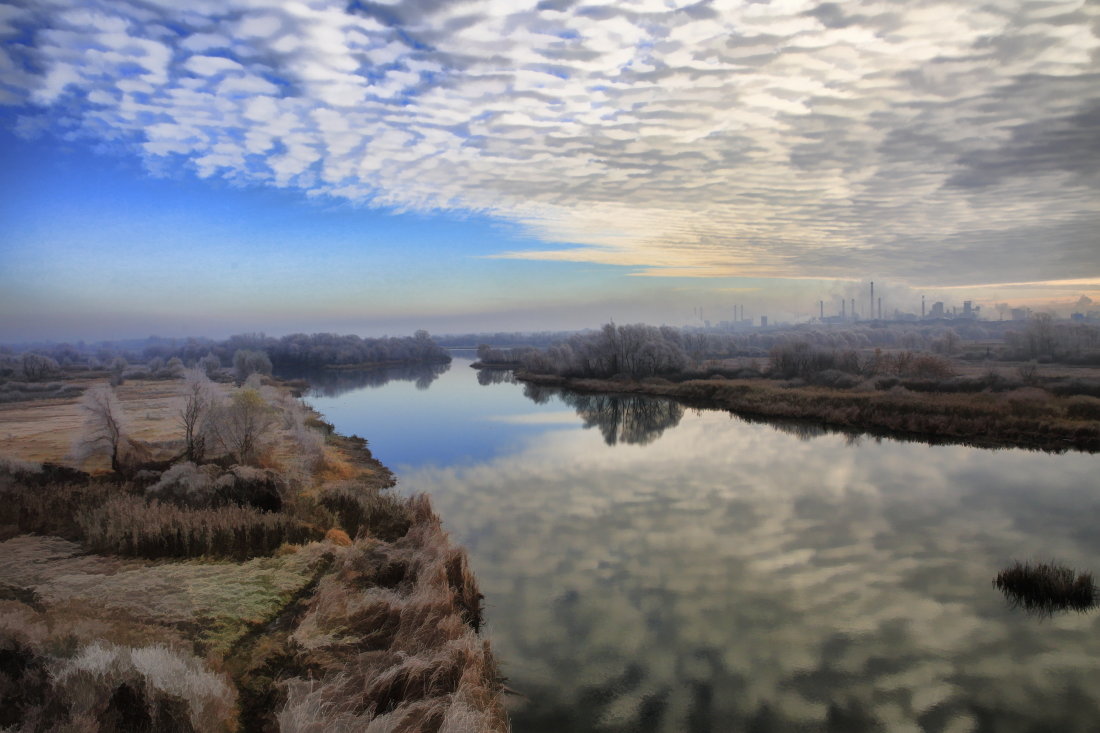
(650, 568)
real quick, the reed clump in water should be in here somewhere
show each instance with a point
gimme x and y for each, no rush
(1046, 587)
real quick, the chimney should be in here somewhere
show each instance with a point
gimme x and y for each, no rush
(871, 313)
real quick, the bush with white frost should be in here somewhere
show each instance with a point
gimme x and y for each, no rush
(146, 688)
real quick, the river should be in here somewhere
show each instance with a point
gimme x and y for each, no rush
(652, 568)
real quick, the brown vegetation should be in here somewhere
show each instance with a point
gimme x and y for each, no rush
(104, 641)
(982, 418)
(393, 630)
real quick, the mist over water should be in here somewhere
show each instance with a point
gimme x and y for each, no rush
(648, 567)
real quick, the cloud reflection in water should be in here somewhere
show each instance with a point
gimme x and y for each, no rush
(728, 576)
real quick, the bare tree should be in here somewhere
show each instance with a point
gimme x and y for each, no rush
(36, 366)
(118, 370)
(104, 431)
(210, 364)
(242, 425)
(199, 400)
(247, 362)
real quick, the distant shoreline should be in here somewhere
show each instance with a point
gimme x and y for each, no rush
(976, 419)
(369, 365)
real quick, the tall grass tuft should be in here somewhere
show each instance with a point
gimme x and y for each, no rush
(368, 509)
(1046, 587)
(394, 630)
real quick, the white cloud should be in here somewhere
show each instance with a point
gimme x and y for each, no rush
(717, 138)
(211, 65)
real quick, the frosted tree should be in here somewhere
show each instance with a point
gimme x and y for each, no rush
(104, 431)
(199, 400)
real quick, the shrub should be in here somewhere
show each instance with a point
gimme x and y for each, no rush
(146, 688)
(360, 508)
(1090, 387)
(48, 501)
(834, 378)
(242, 427)
(1029, 402)
(24, 681)
(1083, 407)
(188, 485)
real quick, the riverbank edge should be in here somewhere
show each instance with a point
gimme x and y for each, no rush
(362, 553)
(969, 419)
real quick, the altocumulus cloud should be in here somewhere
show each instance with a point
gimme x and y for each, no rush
(925, 141)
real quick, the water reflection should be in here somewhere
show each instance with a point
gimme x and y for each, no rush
(485, 377)
(1042, 589)
(728, 577)
(628, 419)
(335, 382)
(731, 577)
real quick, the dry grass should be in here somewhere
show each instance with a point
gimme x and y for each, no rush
(359, 507)
(1046, 587)
(394, 629)
(211, 604)
(377, 632)
(129, 525)
(112, 688)
(1031, 420)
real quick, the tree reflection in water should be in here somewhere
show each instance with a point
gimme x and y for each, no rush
(485, 377)
(630, 419)
(335, 382)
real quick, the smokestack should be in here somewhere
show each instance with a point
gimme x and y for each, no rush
(843, 310)
(853, 309)
(880, 308)
(922, 307)
(871, 313)
(822, 304)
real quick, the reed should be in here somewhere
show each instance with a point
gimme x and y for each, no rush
(1046, 587)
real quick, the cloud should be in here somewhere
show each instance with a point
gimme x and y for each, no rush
(926, 142)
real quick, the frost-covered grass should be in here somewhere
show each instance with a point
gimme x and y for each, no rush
(218, 601)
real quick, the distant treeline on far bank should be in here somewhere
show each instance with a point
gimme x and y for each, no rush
(244, 352)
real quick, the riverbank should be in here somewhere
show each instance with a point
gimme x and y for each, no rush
(296, 592)
(1033, 419)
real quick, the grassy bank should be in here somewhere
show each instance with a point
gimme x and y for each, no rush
(1033, 419)
(256, 575)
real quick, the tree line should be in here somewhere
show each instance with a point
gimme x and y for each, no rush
(243, 353)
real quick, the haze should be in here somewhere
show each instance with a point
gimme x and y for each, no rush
(503, 164)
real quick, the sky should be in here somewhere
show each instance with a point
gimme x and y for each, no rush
(217, 166)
